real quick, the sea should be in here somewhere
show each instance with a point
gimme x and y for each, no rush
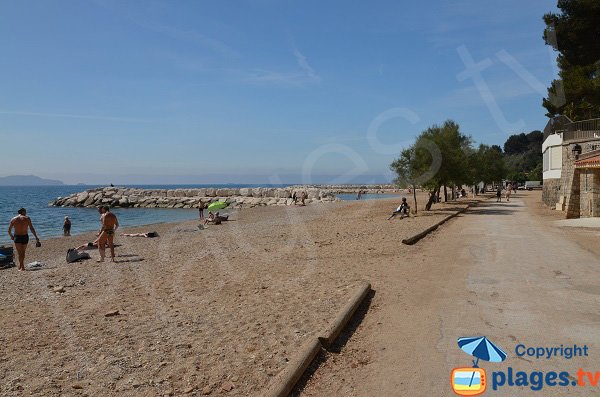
(48, 220)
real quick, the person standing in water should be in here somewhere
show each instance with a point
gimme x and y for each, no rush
(67, 227)
(21, 224)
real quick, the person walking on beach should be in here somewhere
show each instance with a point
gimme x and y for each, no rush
(499, 194)
(294, 198)
(201, 211)
(21, 224)
(303, 197)
(110, 223)
(67, 226)
(509, 189)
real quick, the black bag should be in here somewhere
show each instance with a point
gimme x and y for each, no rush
(6, 251)
(75, 256)
(6, 257)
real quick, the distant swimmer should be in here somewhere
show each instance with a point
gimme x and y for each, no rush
(21, 224)
(110, 223)
(67, 226)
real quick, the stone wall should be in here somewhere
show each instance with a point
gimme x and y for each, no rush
(190, 198)
(551, 192)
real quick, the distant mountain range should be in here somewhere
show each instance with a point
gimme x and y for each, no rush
(27, 180)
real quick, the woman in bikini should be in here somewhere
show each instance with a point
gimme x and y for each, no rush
(110, 223)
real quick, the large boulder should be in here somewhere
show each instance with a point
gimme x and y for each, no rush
(88, 202)
(284, 193)
(223, 192)
(246, 192)
(313, 193)
(81, 197)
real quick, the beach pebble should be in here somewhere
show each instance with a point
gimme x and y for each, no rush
(60, 289)
(227, 386)
(206, 390)
(111, 313)
(189, 390)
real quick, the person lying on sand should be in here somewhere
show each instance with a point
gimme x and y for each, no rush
(215, 219)
(147, 234)
(403, 210)
(91, 245)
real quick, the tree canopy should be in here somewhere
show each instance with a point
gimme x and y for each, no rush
(444, 156)
(574, 33)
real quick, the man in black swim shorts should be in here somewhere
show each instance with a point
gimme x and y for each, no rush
(21, 225)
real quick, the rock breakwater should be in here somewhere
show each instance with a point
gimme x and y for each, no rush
(191, 198)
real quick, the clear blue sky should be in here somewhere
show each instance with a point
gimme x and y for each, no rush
(256, 91)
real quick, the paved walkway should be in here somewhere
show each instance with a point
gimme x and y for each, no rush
(497, 271)
(579, 222)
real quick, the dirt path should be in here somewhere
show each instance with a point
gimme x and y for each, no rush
(499, 271)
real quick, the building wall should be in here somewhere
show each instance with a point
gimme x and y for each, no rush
(551, 191)
(589, 181)
(570, 182)
(552, 173)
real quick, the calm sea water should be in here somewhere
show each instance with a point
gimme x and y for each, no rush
(48, 221)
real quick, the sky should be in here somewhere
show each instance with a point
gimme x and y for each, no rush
(259, 91)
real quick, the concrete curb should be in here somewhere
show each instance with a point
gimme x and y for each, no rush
(331, 333)
(285, 381)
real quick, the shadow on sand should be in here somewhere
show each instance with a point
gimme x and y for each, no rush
(493, 209)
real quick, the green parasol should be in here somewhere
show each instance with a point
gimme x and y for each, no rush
(217, 205)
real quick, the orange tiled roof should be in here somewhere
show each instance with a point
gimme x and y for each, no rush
(590, 162)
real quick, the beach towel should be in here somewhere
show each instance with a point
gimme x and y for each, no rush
(75, 256)
(35, 266)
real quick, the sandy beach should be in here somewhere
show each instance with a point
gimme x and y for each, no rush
(218, 311)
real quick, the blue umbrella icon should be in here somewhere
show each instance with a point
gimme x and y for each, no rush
(481, 348)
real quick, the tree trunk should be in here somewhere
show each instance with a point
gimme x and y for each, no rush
(433, 195)
(453, 192)
(445, 194)
(415, 197)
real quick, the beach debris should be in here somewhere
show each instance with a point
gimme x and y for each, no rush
(77, 386)
(227, 386)
(189, 390)
(59, 290)
(112, 313)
